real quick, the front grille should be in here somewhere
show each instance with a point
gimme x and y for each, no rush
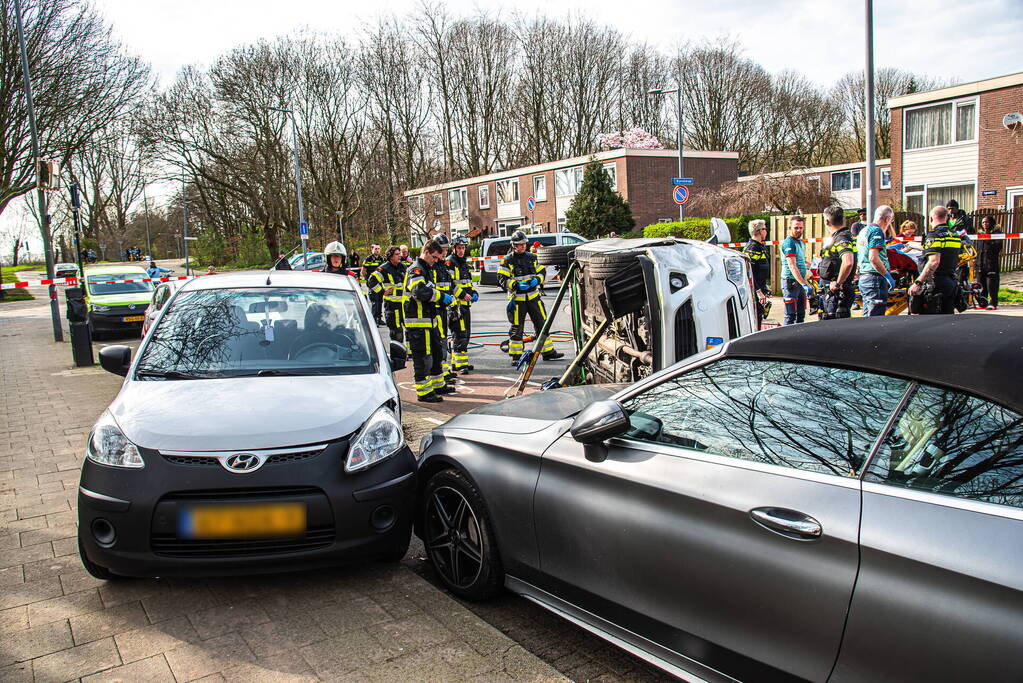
(183, 460)
(283, 458)
(164, 540)
(139, 309)
(279, 459)
(169, 544)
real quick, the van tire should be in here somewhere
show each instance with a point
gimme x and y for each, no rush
(555, 255)
(601, 266)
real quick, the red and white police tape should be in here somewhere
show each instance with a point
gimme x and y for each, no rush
(74, 281)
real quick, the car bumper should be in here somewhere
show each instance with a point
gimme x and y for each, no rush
(350, 517)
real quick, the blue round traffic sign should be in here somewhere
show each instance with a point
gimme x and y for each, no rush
(530, 203)
(681, 194)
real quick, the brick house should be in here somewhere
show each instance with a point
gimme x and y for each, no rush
(950, 143)
(496, 203)
(844, 180)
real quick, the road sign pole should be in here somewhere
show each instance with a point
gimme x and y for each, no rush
(681, 161)
(76, 205)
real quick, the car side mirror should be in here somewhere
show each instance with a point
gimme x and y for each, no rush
(115, 359)
(597, 423)
(399, 356)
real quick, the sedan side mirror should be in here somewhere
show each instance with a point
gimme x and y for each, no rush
(597, 423)
(115, 359)
(399, 356)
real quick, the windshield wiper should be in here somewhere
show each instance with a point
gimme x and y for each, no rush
(171, 374)
(274, 372)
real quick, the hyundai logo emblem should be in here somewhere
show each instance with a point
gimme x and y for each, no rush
(243, 462)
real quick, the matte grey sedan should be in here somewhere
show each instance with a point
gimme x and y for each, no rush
(836, 501)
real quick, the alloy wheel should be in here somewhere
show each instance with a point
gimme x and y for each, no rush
(453, 537)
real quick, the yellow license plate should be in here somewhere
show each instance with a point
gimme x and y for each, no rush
(243, 521)
(134, 318)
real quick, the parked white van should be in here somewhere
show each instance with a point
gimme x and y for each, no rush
(499, 246)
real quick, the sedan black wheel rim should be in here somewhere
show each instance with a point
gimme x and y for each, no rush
(453, 537)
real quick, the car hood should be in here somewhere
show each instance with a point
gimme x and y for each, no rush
(120, 299)
(533, 412)
(246, 412)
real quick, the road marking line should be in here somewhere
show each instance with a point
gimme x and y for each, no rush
(433, 420)
(515, 379)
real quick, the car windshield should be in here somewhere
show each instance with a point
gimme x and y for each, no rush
(259, 332)
(113, 283)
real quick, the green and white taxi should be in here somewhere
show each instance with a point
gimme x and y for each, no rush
(117, 298)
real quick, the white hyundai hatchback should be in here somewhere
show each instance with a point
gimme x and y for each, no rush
(258, 429)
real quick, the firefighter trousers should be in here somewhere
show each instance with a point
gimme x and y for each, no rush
(392, 315)
(427, 351)
(517, 313)
(441, 324)
(460, 324)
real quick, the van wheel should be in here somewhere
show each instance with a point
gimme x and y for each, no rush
(605, 265)
(555, 255)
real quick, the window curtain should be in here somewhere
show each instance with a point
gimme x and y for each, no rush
(965, 116)
(929, 127)
(966, 195)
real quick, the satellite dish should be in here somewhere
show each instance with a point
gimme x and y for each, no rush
(1012, 121)
(719, 233)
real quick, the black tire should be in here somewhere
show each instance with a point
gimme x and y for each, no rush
(555, 255)
(603, 266)
(458, 537)
(95, 570)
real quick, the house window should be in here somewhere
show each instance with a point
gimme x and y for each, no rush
(415, 206)
(914, 203)
(567, 181)
(484, 191)
(845, 180)
(814, 180)
(438, 203)
(508, 191)
(540, 188)
(886, 178)
(458, 201)
(612, 173)
(965, 194)
(941, 124)
(561, 223)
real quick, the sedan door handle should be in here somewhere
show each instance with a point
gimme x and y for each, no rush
(788, 523)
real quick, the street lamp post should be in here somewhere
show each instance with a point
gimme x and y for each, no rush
(678, 110)
(184, 224)
(298, 183)
(340, 226)
(149, 240)
(868, 102)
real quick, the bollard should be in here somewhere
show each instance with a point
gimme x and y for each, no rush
(78, 318)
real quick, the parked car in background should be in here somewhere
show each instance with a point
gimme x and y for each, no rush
(258, 430)
(313, 261)
(117, 298)
(499, 246)
(65, 270)
(161, 295)
(792, 505)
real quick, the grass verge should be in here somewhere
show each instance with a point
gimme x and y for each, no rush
(1010, 296)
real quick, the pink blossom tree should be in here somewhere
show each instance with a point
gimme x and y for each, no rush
(637, 138)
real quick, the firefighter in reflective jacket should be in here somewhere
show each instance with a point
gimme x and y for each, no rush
(422, 301)
(442, 278)
(464, 293)
(388, 281)
(521, 276)
(838, 261)
(370, 264)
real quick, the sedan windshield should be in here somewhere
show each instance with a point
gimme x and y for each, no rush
(259, 332)
(117, 286)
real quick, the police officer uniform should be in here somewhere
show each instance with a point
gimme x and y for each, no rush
(459, 318)
(391, 277)
(838, 303)
(940, 295)
(372, 262)
(760, 259)
(420, 310)
(521, 276)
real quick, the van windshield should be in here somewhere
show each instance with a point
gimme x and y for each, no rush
(259, 332)
(113, 283)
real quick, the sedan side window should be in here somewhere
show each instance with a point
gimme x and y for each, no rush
(951, 443)
(806, 417)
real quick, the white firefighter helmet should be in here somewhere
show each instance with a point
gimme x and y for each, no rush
(335, 248)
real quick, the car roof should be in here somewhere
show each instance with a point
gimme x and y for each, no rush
(981, 354)
(113, 270)
(300, 279)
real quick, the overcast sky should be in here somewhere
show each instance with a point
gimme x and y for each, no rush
(957, 41)
(823, 39)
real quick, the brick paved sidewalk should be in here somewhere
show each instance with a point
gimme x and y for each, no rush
(371, 623)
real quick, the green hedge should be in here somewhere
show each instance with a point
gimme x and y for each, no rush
(699, 228)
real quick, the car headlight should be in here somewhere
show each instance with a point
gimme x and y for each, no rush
(735, 272)
(99, 308)
(109, 446)
(379, 439)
